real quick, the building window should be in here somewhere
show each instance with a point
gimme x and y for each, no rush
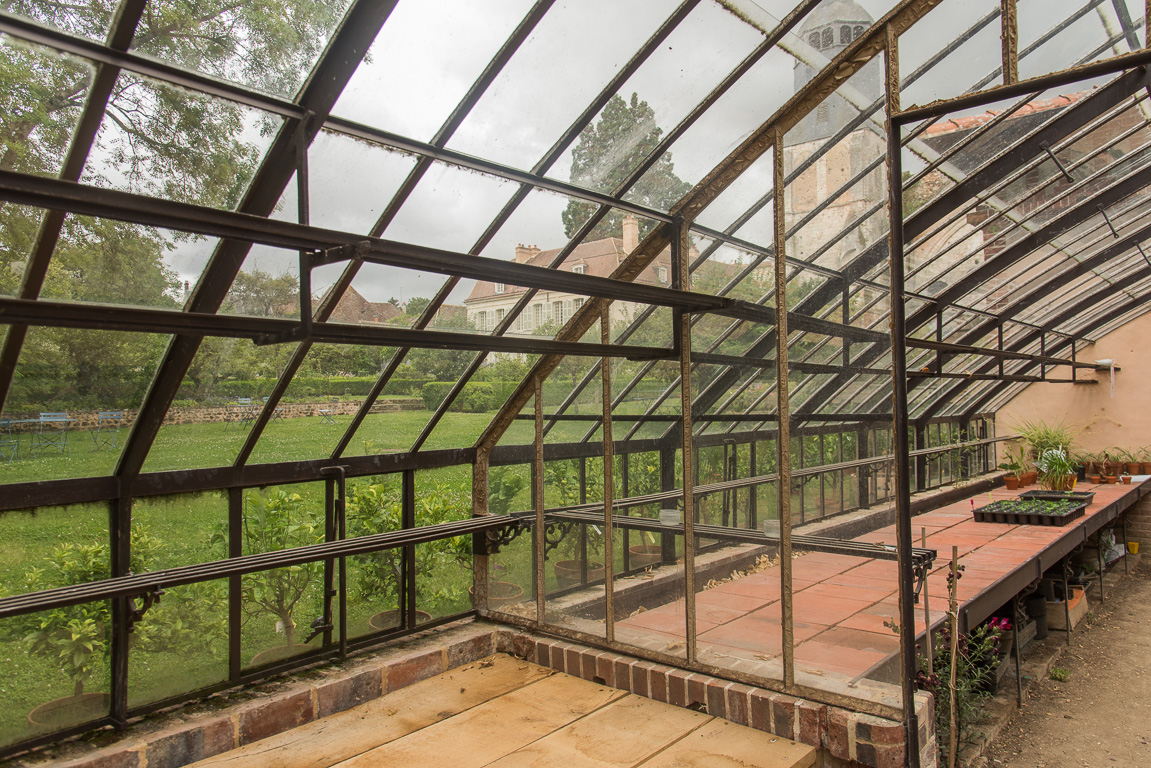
(844, 35)
(499, 316)
(858, 32)
(828, 38)
(579, 269)
(661, 274)
(558, 312)
(822, 113)
(813, 39)
(500, 287)
(577, 303)
(482, 321)
(537, 315)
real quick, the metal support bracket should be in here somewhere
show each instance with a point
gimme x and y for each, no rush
(495, 539)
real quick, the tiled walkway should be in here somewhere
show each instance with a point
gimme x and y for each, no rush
(843, 605)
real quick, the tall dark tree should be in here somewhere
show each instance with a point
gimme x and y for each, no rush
(607, 152)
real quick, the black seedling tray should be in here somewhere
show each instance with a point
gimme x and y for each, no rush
(1014, 512)
(1085, 496)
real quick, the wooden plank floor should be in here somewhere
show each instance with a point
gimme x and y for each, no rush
(509, 713)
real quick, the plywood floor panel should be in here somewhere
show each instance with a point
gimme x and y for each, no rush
(327, 741)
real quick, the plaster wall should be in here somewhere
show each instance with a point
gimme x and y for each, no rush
(1101, 422)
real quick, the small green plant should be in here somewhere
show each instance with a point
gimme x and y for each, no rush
(1016, 461)
(1059, 674)
(974, 676)
(503, 487)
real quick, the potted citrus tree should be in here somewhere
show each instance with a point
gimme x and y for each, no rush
(77, 637)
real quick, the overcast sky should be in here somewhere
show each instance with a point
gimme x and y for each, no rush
(429, 53)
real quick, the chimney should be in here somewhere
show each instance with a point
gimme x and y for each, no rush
(525, 253)
(630, 233)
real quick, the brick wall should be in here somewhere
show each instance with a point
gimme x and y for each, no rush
(1139, 523)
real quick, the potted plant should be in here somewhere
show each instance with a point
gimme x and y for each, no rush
(376, 508)
(1145, 460)
(277, 520)
(1015, 465)
(77, 636)
(1042, 437)
(1056, 472)
(1130, 461)
(504, 486)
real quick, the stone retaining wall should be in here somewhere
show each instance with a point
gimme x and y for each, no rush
(83, 420)
(1139, 523)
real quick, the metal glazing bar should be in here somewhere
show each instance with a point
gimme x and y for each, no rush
(900, 424)
(1042, 83)
(964, 349)
(539, 532)
(783, 441)
(682, 279)
(1009, 33)
(608, 479)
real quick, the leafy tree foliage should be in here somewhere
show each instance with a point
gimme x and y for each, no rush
(611, 149)
(154, 139)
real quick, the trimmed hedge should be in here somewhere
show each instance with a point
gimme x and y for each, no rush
(477, 397)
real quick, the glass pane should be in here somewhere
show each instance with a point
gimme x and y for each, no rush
(564, 64)
(180, 145)
(73, 398)
(270, 49)
(953, 49)
(280, 604)
(40, 105)
(434, 77)
(87, 18)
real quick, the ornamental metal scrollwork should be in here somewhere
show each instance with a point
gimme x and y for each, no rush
(135, 613)
(495, 538)
(554, 533)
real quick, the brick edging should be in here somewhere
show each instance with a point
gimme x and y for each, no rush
(161, 743)
(844, 738)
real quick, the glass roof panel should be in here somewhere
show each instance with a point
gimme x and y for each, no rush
(269, 47)
(561, 67)
(746, 195)
(330, 385)
(1060, 35)
(704, 48)
(950, 51)
(179, 145)
(349, 183)
(40, 106)
(727, 123)
(268, 285)
(410, 86)
(87, 18)
(18, 227)
(449, 208)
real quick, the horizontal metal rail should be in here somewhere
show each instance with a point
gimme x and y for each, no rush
(965, 349)
(143, 583)
(813, 543)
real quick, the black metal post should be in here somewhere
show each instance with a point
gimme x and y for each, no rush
(667, 483)
(235, 583)
(408, 560)
(899, 412)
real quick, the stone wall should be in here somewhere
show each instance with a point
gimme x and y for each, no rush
(83, 420)
(1139, 523)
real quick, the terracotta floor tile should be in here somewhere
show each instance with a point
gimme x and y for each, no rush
(850, 662)
(860, 640)
(726, 596)
(860, 593)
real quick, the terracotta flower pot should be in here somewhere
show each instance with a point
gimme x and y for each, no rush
(1030, 478)
(70, 710)
(500, 593)
(568, 573)
(279, 652)
(1134, 467)
(1145, 468)
(1126, 479)
(643, 555)
(1095, 479)
(1110, 479)
(1011, 482)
